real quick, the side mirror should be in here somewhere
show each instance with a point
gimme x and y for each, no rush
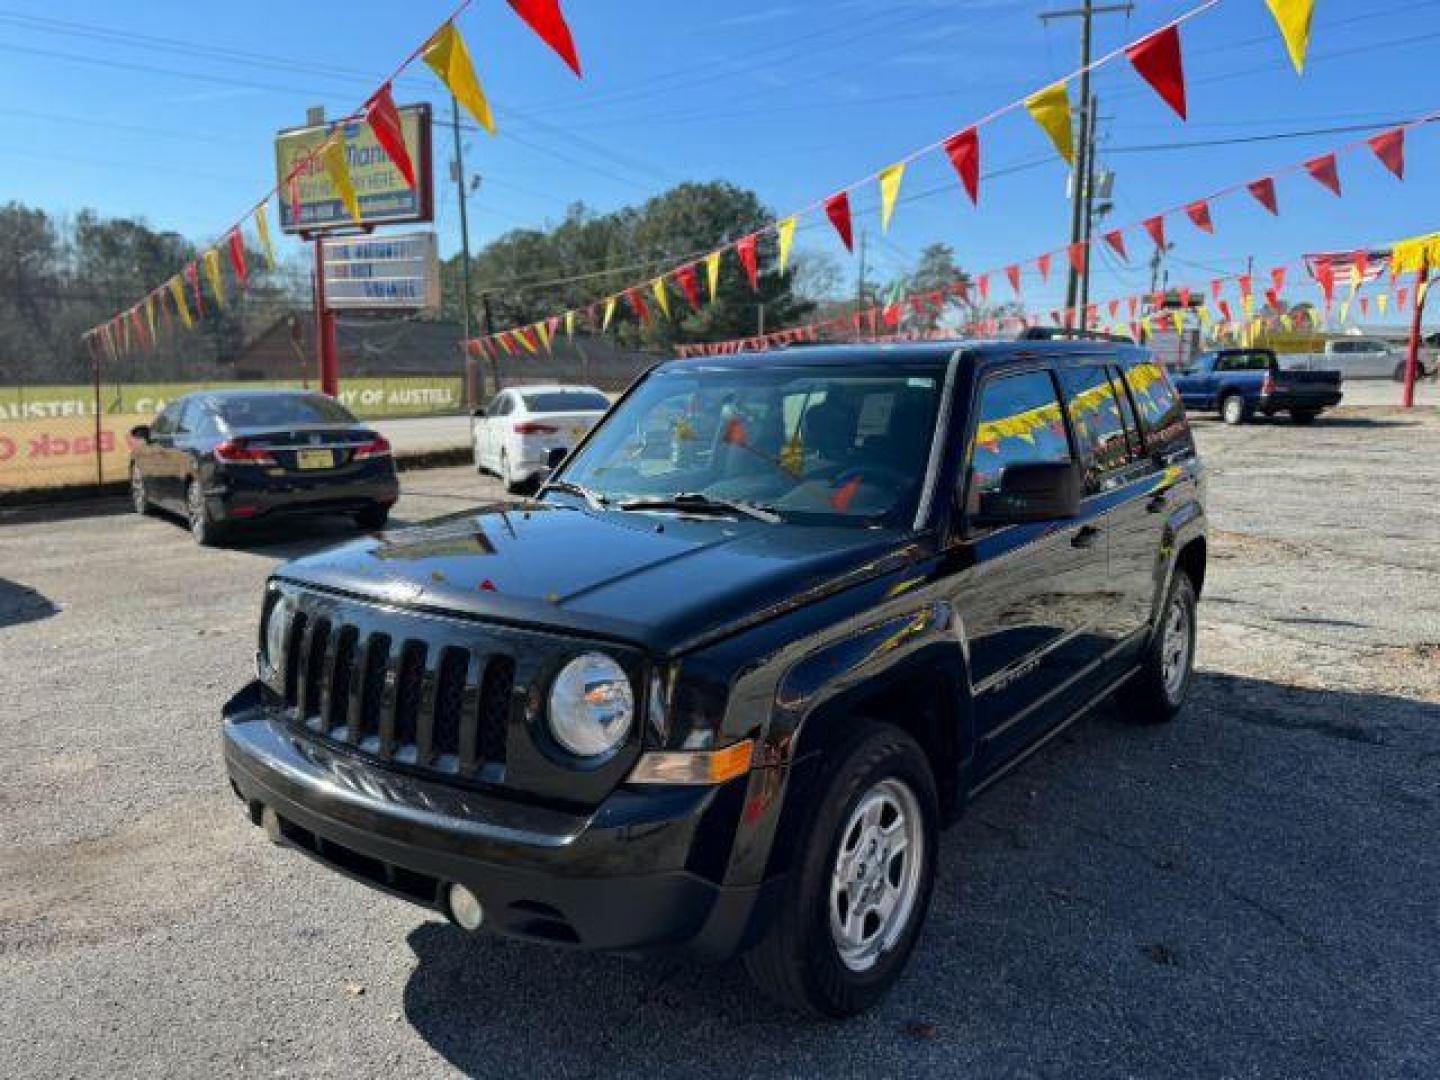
(140, 433)
(1032, 492)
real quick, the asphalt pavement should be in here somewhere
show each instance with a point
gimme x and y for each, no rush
(1250, 891)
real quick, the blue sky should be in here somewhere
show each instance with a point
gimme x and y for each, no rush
(167, 110)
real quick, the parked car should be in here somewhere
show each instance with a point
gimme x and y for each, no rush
(522, 430)
(724, 701)
(227, 458)
(1238, 383)
(1360, 358)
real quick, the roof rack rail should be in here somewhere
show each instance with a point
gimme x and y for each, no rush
(1070, 333)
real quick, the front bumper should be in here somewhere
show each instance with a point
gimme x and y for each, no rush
(623, 877)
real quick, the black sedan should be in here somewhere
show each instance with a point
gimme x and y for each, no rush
(223, 458)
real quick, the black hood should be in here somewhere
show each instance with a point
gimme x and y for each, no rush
(658, 580)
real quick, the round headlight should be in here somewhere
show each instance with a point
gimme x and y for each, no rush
(591, 705)
(276, 625)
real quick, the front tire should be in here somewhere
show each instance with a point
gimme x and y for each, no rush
(1159, 689)
(858, 894)
(1233, 409)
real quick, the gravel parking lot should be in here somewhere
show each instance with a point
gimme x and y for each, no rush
(1251, 891)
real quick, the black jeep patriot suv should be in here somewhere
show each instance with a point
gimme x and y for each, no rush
(721, 683)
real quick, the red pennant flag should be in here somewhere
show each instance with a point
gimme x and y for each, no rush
(1184, 297)
(1326, 172)
(1116, 240)
(1364, 305)
(1200, 214)
(1264, 192)
(964, 152)
(547, 20)
(1157, 60)
(384, 121)
(638, 303)
(1132, 304)
(1113, 308)
(1402, 297)
(1361, 261)
(837, 209)
(1272, 298)
(1225, 311)
(1246, 285)
(1043, 265)
(689, 284)
(745, 248)
(1389, 147)
(983, 284)
(1277, 279)
(1076, 254)
(236, 246)
(1013, 273)
(1155, 226)
(917, 305)
(892, 315)
(1325, 276)
(1215, 287)
(192, 275)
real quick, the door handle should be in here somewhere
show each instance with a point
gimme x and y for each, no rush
(1086, 537)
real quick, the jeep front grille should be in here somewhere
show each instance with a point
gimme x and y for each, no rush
(417, 701)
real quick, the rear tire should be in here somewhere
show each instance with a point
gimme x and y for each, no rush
(1159, 689)
(373, 517)
(859, 889)
(1233, 409)
(1303, 416)
(203, 527)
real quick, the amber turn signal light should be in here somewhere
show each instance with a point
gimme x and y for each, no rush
(694, 766)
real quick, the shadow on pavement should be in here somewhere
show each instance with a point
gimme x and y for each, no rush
(1249, 889)
(22, 604)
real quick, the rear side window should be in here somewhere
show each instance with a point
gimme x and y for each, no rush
(566, 401)
(1019, 423)
(1162, 417)
(1105, 447)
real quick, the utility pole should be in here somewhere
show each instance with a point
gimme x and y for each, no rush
(458, 174)
(860, 283)
(1084, 144)
(1088, 211)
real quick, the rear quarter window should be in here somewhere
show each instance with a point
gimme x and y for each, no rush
(1162, 416)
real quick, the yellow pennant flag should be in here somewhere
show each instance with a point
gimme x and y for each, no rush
(150, 315)
(661, 296)
(525, 339)
(1344, 312)
(1204, 313)
(570, 324)
(1179, 321)
(609, 314)
(543, 333)
(712, 274)
(212, 274)
(1287, 322)
(785, 230)
(262, 226)
(1383, 302)
(1293, 18)
(1050, 108)
(177, 290)
(336, 168)
(450, 59)
(890, 191)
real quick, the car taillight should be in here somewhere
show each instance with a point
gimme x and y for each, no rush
(376, 447)
(1267, 384)
(535, 429)
(235, 452)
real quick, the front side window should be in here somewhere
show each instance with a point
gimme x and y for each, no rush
(1019, 423)
(1098, 422)
(812, 444)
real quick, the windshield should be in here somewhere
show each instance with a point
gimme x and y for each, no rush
(823, 445)
(270, 410)
(566, 401)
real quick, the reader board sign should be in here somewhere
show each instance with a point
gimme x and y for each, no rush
(384, 197)
(382, 273)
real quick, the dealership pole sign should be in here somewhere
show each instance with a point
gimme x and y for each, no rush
(382, 273)
(311, 203)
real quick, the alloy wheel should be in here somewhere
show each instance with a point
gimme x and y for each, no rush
(875, 880)
(1176, 643)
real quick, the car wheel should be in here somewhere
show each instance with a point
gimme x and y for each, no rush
(1303, 416)
(373, 517)
(204, 528)
(139, 497)
(858, 893)
(1233, 410)
(1159, 689)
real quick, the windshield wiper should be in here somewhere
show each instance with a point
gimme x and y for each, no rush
(694, 501)
(594, 501)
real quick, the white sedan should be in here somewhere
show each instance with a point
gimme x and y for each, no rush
(516, 433)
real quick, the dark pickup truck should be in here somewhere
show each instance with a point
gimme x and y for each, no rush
(1238, 383)
(720, 684)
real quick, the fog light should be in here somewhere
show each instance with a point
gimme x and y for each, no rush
(465, 908)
